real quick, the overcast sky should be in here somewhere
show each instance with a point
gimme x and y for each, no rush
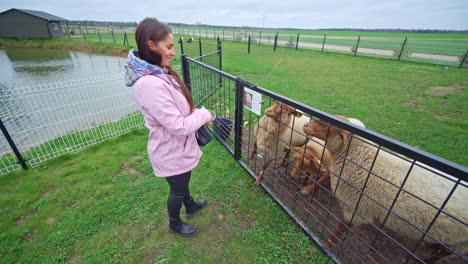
(307, 14)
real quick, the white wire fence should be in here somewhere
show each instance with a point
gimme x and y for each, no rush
(48, 120)
(448, 51)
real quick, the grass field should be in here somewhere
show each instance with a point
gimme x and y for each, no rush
(329, 33)
(103, 205)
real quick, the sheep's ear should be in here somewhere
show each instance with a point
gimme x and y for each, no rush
(342, 117)
(297, 114)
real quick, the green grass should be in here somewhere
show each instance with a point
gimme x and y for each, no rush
(103, 205)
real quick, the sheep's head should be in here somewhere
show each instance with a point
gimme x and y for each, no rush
(280, 110)
(323, 130)
(308, 163)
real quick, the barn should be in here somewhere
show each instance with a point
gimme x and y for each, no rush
(21, 23)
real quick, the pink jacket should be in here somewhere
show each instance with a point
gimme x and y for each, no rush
(172, 146)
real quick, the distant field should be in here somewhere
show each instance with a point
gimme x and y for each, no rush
(447, 49)
(337, 33)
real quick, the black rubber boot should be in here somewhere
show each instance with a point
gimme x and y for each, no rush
(179, 227)
(191, 207)
(174, 203)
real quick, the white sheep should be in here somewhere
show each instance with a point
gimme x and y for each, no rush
(422, 181)
(279, 127)
(314, 160)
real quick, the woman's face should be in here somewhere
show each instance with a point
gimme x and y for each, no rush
(165, 49)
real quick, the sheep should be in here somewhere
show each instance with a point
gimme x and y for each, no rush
(422, 181)
(313, 159)
(273, 133)
(307, 160)
(190, 40)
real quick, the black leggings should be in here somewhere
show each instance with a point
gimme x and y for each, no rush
(179, 194)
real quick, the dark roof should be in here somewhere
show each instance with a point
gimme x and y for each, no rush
(39, 14)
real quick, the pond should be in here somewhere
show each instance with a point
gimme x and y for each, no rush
(45, 94)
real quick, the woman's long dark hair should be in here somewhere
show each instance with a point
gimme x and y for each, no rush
(152, 29)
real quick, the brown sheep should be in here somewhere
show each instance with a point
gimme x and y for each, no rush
(314, 160)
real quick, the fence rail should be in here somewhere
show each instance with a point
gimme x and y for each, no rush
(384, 201)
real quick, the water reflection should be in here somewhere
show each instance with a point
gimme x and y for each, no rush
(42, 95)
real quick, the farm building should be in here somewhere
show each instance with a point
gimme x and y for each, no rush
(21, 23)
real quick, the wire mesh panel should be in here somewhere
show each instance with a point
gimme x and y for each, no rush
(447, 52)
(49, 120)
(363, 197)
(287, 40)
(216, 92)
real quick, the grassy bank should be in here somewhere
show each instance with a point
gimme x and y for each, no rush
(65, 44)
(103, 205)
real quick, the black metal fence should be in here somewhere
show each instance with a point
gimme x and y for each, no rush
(361, 196)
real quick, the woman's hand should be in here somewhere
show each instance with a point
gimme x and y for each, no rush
(212, 114)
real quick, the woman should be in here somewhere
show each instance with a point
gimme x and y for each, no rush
(170, 116)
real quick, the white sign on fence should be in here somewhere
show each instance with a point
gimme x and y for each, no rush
(252, 101)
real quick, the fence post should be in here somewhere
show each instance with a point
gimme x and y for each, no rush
(86, 27)
(324, 38)
(112, 31)
(97, 32)
(357, 46)
(276, 42)
(297, 41)
(220, 50)
(220, 56)
(185, 71)
(13, 146)
(125, 38)
(238, 119)
(68, 29)
(181, 45)
(82, 31)
(200, 45)
(464, 58)
(248, 47)
(402, 47)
